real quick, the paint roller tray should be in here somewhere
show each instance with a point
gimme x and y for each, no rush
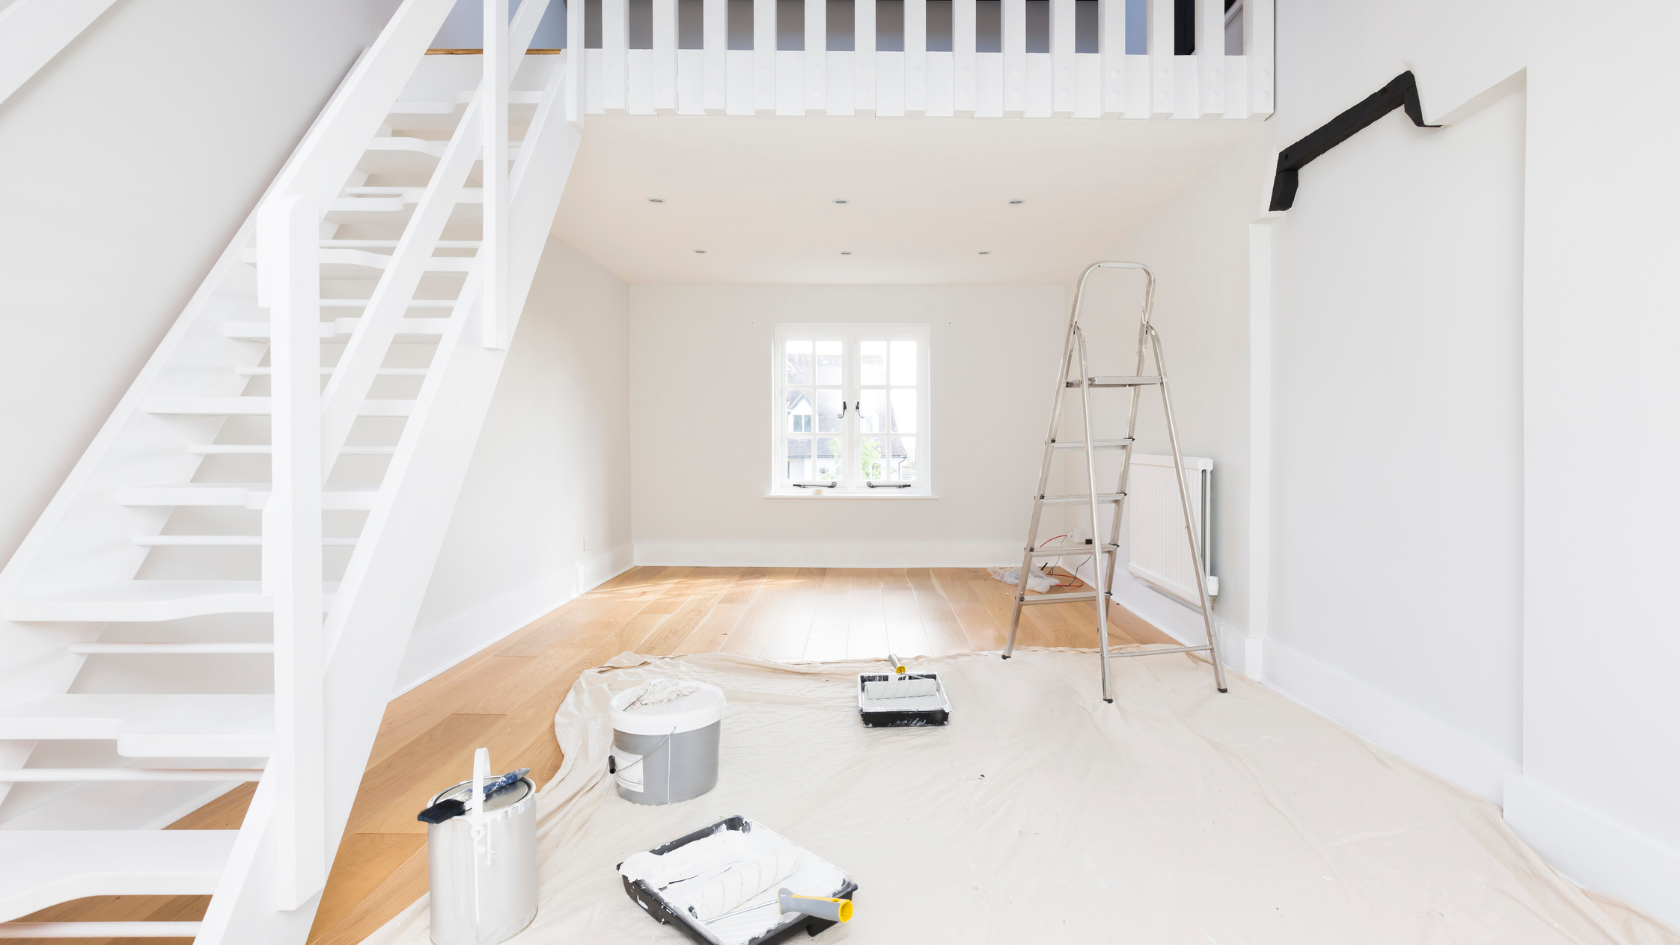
(886, 699)
(652, 880)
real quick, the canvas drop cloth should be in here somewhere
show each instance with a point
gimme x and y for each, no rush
(1041, 814)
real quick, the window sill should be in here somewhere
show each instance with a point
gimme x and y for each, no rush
(893, 494)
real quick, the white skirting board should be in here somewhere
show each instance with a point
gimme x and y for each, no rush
(431, 650)
(829, 554)
(1594, 850)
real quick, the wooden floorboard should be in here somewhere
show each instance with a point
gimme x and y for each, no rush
(506, 696)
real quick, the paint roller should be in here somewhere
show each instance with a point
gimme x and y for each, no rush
(899, 687)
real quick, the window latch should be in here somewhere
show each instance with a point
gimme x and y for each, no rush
(842, 409)
(815, 485)
(889, 485)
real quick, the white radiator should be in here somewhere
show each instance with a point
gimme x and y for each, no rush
(1159, 552)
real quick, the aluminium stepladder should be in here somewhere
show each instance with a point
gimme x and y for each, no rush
(1104, 555)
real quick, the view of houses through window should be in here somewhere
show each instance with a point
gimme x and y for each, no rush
(851, 407)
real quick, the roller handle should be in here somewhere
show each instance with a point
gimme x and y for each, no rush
(822, 907)
(898, 667)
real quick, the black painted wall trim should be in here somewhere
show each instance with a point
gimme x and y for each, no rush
(1400, 93)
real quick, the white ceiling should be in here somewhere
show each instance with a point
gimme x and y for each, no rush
(925, 195)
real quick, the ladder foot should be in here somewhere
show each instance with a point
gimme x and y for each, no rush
(1109, 701)
(1224, 690)
(1006, 656)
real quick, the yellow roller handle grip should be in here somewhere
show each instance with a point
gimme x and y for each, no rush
(823, 907)
(896, 665)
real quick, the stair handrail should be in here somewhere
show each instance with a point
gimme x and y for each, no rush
(372, 337)
(288, 285)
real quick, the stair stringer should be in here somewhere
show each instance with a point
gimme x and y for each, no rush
(384, 586)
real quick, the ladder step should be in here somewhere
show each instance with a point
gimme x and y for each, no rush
(136, 929)
(1115, 381)
(1060, 598)
(147, 602)
(1074, 499)
(40, 868)
(91, 649)
(69, 775)
(1119, 444)
(1068, 551)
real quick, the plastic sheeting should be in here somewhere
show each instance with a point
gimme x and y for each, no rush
(1040, 813)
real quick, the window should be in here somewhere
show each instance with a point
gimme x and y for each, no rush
(850, 410)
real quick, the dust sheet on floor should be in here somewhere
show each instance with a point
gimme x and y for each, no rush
(1040, 813)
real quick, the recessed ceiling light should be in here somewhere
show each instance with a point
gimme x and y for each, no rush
(841, 200)
(701, 251)
(1016, 203)
(985, 252)
(845, 252)
(656, 200)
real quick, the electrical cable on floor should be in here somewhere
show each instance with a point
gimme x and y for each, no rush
(1046, 567)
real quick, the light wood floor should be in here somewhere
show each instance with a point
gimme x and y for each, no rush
(506, 696)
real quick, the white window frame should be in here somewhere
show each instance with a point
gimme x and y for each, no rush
(852, 483)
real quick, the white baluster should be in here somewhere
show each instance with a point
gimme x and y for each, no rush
(962, 48)
(915, 57)
(665, 56)
(1161, 57)
(714, 42)
(816, 57)
(1257, 51)
(1210, 55)
(292, 544)
(764, 57)
(615, 55)
(863, 65)
(1014, 58)
(577, 67)
(1111, 45)
(1062, 38)
(492, 250)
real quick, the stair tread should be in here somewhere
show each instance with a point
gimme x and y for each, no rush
(145, 601)
(40, 868)
(237, 494)
(337, 328)
(150, 725)
(260, 406)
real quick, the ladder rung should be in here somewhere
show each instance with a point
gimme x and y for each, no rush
(1072, 499)
(1119, 444)
(1060, 598)
(91, 649)
(1116, 381)
(1067, 551)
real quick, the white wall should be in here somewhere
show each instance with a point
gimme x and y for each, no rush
(551, 472)
(126, 164)
(700, 389)
(1464, 334)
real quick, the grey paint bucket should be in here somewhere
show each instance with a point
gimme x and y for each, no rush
(666, 751)
(488, 895)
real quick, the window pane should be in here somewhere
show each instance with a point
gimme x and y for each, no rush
(904, 410)
(799, 362)
(904, 363)
(828, 362)
(874, 457)
(873, 369)
(873, 413)
(799, 411)
(903, 460)
(828, 457)
(799, 458)
(828, 411)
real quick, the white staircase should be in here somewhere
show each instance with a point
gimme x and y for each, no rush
(275, 485)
